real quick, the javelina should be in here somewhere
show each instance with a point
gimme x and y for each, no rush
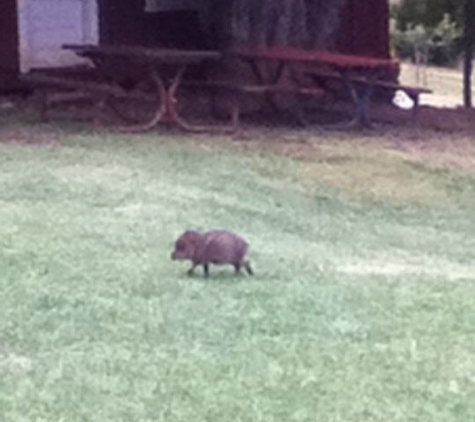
(214, 247)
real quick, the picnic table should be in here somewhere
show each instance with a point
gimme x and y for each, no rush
(360, 75)
(163, 68)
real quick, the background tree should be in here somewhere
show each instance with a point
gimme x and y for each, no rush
(447, 28)
(427, 12)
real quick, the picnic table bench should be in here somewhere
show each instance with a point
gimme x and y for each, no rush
(322, 78)
(75, 88)
(360, 75)
(164, 69)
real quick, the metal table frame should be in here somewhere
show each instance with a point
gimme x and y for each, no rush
(165, 68)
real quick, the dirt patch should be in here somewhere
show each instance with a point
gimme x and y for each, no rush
(415, 267)
(28, 137)
(421, 141)
(442, 152)
(439, 137)
(436, 118)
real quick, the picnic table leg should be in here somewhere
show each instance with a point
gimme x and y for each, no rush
(161, 110)
(273, 78)
(361, 98)
(43, 104)
(172, 101)
(414, 96)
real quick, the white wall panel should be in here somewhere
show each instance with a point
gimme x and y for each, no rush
(45, 25)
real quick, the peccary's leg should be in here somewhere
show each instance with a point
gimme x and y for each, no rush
(206, 269)
(237, 267)
(192, 270)
(247, 266)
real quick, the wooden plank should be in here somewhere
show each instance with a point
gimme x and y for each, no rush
(337, 60)
(255, 89)
(80, 85)
(363, 80)
(395, 86)
(144, 54)
(171, 5)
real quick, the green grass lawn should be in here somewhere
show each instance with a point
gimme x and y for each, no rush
(361, 309)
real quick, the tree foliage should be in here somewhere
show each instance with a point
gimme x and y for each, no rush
(433, 28)
(428, 13)
(440, 45)
(438, 25)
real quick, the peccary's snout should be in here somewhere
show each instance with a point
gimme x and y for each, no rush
(184, 247)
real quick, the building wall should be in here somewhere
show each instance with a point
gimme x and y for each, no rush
(301, 23)
(364, 28)
(126, 22)
(45, 25)
(121, 22)
(358, 27)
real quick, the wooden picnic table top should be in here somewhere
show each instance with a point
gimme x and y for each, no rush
(333, 59)
(160, 55)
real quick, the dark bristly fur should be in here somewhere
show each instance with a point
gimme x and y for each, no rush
(217, 247)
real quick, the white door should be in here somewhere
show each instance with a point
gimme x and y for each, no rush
(45, 25)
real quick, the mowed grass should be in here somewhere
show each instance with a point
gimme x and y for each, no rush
(361, 309)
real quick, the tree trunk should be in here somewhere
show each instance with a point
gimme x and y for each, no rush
(469, 41)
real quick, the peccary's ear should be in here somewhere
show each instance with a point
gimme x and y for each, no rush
(188, 232)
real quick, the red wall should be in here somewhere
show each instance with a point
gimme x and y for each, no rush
(365, 28)
(125, 22)
(121, 22)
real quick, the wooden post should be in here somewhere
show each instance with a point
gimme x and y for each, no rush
(469, 45)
